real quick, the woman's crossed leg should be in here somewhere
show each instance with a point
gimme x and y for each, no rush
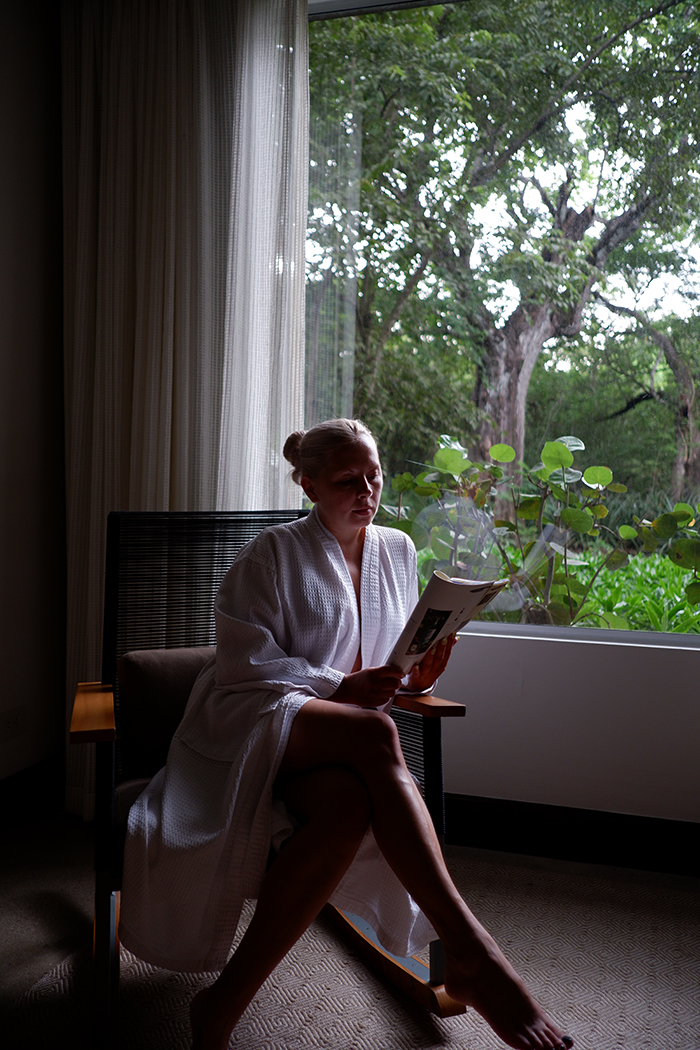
(346, 762)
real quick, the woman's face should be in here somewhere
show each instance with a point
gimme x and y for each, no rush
(347, 490)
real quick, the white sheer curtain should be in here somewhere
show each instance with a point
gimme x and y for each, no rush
(263, 385)
(185, 210)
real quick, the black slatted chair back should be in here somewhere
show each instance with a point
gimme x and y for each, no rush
(163, 570)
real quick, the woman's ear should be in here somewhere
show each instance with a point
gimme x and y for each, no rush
(308, 487)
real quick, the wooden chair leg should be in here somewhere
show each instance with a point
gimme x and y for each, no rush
(421, 982)
(105, 963)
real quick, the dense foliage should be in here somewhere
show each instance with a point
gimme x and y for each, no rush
(549, 535)
(519, 176)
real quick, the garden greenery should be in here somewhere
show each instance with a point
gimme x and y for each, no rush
(543, 528)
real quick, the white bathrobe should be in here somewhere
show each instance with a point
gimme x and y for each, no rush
(288, 629)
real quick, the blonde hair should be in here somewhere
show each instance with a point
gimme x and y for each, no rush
(308, 450)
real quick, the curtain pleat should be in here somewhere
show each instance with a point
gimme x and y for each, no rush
(177, 384)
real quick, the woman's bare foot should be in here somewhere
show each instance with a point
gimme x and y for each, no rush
(488, 983)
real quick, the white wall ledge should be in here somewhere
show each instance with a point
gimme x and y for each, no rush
(600, 720)
(585, 635)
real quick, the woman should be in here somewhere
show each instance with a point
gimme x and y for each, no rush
(286, 740)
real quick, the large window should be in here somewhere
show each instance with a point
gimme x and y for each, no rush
(503, 248)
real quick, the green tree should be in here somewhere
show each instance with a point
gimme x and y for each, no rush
(577, 124)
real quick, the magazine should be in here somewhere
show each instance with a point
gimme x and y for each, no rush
(446, 605)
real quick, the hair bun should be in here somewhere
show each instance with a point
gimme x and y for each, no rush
(292, 447)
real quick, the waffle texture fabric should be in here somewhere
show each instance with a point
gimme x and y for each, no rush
(288, 629)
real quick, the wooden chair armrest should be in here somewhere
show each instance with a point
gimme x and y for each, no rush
(92, 720)
(429, 706)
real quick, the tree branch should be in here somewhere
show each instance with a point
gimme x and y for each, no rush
(619, 229)
(489, 170)
(632, 403)
(403, 296)
(681, 372)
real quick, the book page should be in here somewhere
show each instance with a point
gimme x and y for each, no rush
(444, 608)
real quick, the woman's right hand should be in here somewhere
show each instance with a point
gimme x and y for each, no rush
(370, 687)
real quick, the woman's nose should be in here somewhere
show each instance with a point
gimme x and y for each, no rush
(365, 486)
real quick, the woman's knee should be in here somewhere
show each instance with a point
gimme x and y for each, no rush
(326, 734)
(382, 735)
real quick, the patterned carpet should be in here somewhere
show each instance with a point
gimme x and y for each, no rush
(613, 955)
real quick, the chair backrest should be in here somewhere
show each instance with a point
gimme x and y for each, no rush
(163, 570)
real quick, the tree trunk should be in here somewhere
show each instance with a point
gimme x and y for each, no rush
(504, 376)
(511, 352)
(686, 464)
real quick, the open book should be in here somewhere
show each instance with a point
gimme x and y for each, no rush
(445, 606)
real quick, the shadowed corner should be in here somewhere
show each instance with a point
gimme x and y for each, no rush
(55, 1011)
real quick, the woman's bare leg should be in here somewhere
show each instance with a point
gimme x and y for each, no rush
(335, 809)
(477, 973)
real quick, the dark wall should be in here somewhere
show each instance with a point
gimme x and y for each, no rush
(32, 511)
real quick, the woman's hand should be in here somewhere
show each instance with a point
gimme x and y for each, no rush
(370, 687)
(425, 674)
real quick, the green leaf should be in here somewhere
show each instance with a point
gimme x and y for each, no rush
(567, 477)
(617, 487)
(692, 592)
(570, 583)
(451, 460)
(685, 551)
(599, 511)
(556, 455)
(502, 453)
(683, 512)
(578, 520)
(529, 508)
(616, 560)
(599, 476)
(418, 534)
(432, 515)
(441, 540)
(626, 532)
(650, 540)
(586, 610)
(560, 613)
(402, 482)
(504, 523)
(450, 442)
(574, 444)
(665, 526)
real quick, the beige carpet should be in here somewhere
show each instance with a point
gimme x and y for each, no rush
(615, 957)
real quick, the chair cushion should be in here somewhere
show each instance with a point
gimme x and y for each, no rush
(153, 689)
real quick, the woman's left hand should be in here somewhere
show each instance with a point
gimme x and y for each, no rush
(425, 674)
